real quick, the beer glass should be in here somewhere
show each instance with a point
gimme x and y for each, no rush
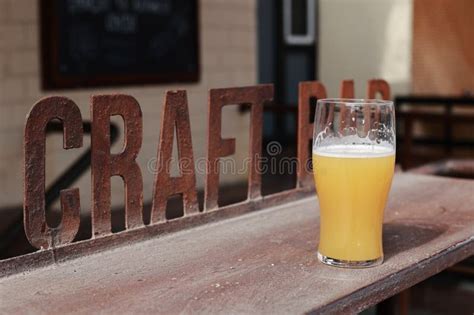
(353, 164)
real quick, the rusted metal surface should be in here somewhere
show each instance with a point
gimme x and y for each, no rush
(347, 89)
(104, 164)
(175, 115)
(307, 91)
(255, 97)
(123, 164)
(39, 234)
(272, 267)
(376, 86)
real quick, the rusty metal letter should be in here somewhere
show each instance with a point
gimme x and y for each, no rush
(104, 164)
(175, 114)
(375, 86)
(307, 90)
(347, 89)
(255, 96)
(39, 234)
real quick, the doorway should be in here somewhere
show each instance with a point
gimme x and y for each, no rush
(287, 47)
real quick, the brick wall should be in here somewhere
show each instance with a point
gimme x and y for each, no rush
(228, 58)
(443, 51)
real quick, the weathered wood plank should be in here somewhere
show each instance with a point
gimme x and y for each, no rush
(261, 262)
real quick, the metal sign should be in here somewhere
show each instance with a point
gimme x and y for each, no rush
(175, 115)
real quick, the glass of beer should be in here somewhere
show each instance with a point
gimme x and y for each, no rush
(353, 164)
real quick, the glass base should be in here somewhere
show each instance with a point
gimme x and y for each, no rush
(349, 263)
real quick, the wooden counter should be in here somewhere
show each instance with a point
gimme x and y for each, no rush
(262, 262)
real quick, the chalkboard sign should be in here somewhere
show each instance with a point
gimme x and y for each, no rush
(87, 43)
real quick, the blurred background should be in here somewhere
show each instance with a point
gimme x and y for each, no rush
(76, 48)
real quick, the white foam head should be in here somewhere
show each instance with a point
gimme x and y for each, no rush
(354, 151)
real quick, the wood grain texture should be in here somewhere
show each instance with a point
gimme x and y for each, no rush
(263, 262)
(443, 46)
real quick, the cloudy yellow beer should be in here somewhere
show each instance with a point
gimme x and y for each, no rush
(352, 184)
